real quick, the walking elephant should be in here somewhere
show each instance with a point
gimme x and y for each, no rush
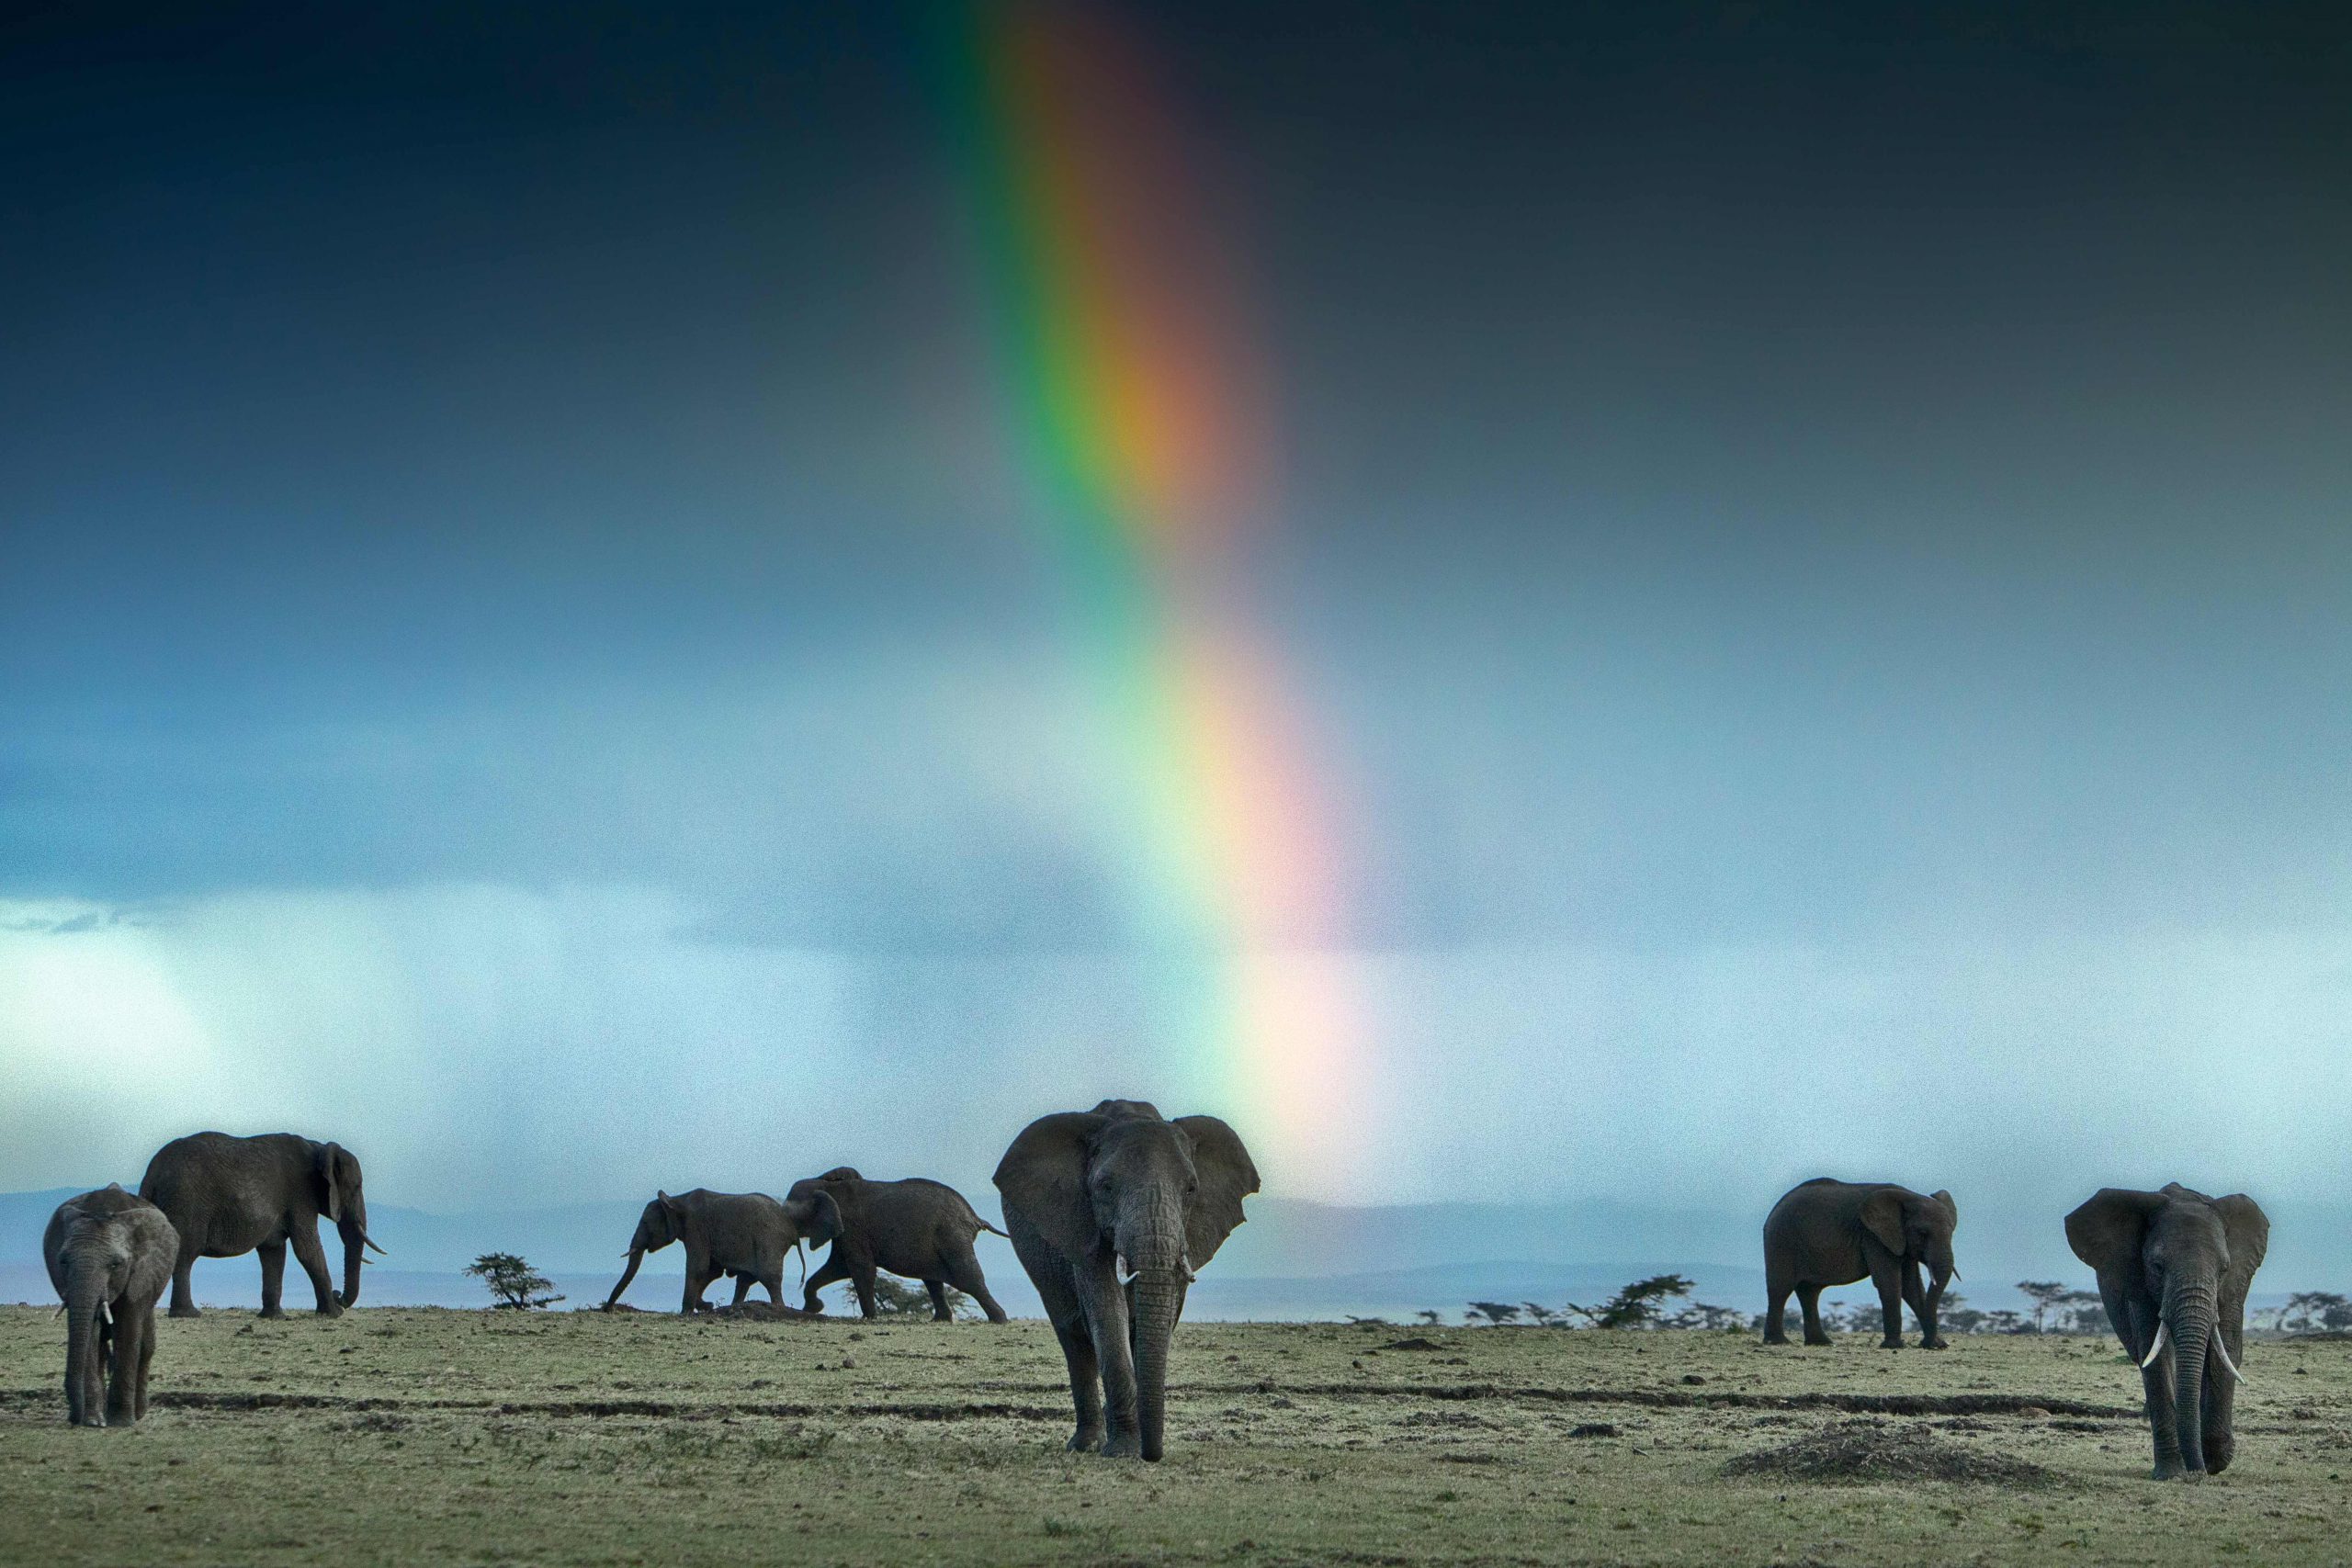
(747, 1234)
(918, 1228)
(1112, 1211)
(2174, 1269)
(226, 1196)
(109, 1254)
(1826, 1232)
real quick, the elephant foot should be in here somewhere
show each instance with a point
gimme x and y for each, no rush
(1892, 1342)
(1822, 1340)
(273, 1312)
(1123, 1445)
(1083, 1441)
(2167, 1472)
(182, 1310)
(330, 1309)
(1776, 1340)
(1938, 1344)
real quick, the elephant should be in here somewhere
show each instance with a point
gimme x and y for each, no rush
(2174, 1269)
(916, 1227)
(743, 1234)
(109, 1254)
(1112, 1210)
(226, 1196)
(1826, 1232)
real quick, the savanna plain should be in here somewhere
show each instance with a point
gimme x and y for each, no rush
(394, 1435)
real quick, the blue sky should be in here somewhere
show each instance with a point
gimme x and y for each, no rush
(1815, 559)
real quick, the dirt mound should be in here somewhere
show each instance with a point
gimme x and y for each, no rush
(759, 1312)
(1873, 1450)
(1415, 1343)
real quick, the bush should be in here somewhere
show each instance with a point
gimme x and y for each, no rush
(1637, 1306)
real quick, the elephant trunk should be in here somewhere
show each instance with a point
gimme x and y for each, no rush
(85, 1357)
(2189, 1316)
(636, 1257)
(354, 1229)
(1159, 1299)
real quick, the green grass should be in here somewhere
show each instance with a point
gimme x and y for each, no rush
(399, 1436)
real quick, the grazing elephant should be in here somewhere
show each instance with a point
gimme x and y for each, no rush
(1826, 1232)
(109, 1254)
(228, 1196)
(743, 1234)
(2174, 1269)
(918, 1228)
(1112, 1211)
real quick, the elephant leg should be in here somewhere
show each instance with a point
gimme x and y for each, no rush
(1776, 1302)
(1106, 1321)
(122, 1369)
(861, 1278)
(183, 1294)
(773, 1282)
(1809, 1298)
(273, 1277)
(1085, 1376)
(1888, 1279)
(1915, 1295)
(2218, 1404)
(146, 1314)
(313, 1260)
(940, 1311)
(742, 1287)
(964, 1273)
(2163, 1419)
(831, 1270)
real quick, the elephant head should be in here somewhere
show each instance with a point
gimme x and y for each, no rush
(335, 1170)
(1915, 1228)
(2174, 1269)
(662, 1222)
(816, 1218)
(1126, 1198)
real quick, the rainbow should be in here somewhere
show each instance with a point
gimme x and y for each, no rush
(1138, 413)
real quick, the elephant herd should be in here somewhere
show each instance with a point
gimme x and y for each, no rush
(2174, 1269)
(1112, 1213)
(1111, 1210)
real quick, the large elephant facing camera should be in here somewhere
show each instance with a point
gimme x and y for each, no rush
(228, 1196)
(748, 1234)
(1826, 1232)
(2174, 1269)
(917, 1227)
(1112, 1211)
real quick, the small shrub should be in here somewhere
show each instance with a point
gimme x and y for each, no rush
(513, 1282)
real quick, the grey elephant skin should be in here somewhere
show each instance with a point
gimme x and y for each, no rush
(747, 1234)
(2174, 1269)
(226, 1196)
(916, 1227)
(109, 1254)
(1112, 1211)
(1826, 1232)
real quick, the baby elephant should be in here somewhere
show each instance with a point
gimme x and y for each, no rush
(109, 1254)
(1826, 1232)
(748, 1234)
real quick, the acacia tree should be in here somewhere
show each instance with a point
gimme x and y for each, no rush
(515, 1283)
(1638, 1305)
(1496, 1312)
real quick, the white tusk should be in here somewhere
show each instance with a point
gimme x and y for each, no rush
(2154, 1349)
(2223, 1351)
(1119, 1263)
(106, 1312)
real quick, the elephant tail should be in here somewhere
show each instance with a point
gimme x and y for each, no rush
(986, 1227)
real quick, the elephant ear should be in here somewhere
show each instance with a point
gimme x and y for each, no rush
(2107, 1230)
(1881, 1215)
(337, 1171)
(1226, 1176)
(2248, 1229)
(1951, 1208)
(817, 1217)
(1042, 1179)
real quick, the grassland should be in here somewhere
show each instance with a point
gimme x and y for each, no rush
(416, 1435)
